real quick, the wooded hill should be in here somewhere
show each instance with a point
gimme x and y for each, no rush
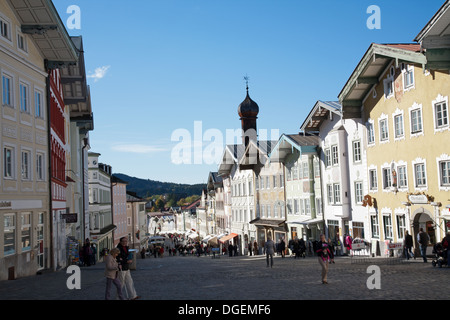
(145, 188)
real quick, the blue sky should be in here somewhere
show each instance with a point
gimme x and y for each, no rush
(158, 66)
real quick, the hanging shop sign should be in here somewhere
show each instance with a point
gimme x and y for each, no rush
(420, 198)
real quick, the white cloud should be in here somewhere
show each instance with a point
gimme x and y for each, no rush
(99, 73)
(137, 148)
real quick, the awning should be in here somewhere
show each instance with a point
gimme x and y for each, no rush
(268, 222)
(306, 222)
(228, 237)
(193, 235)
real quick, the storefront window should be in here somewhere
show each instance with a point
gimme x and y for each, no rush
(333, 228)
(358, 230)
(9, 232)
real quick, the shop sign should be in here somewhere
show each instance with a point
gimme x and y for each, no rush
(395, 246)
(418, 198)
(70, 217)
(358, 246)
(5, 205)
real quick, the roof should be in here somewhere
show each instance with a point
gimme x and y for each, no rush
(41, 21)
(438, 26)
(369, 70)
(231, 155)
(319, 113)
(290, 146)
(256, 153)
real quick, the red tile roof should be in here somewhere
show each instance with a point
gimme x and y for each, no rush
(405, 46)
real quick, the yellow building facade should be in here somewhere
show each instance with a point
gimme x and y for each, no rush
(407, 152)
(404, 108)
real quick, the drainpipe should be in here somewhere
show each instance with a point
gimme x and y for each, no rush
(49, 139)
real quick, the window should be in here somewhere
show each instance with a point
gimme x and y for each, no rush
(268, 182)
(26, 165)
(375, 226)
(21, 42)
(26, 231)
(40, 167)
(387, 181)
(250, 188)
(296, 208)
(7, 90)
(305, 170)
(295, 172)
(38, 111)
(408, 77)
(373, 179)
(370, 133)
(307, 207)
(444, 167)
(356, 151)
(8, 163)
(441, 114)
(319, 206)
(330, 193)
(416, 121)
(281, 181)
(387, 222)
(359, 192)
(334, 155)
(5, 29)
(384, 132)
(420, 175)
(337, 193)
(275, 181)
(327, 158)
(275, 211)
(289, 206)
(398, 125)
(261, 180)
(401, 226)
(23, 88)
(389, 85)
(358, 230)
(402, 178)
(9, 234)
(268, 211)
(263, 214)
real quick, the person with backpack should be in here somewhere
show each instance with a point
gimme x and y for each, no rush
(423, 239)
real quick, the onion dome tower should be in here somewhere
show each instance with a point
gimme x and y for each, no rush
(248, 112)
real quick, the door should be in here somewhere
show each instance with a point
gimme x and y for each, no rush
(40, 242)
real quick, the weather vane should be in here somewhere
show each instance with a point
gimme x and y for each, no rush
(246, 78)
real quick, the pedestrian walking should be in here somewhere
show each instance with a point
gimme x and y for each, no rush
(87, 253)
(93, 254)
(269, 250)
(143, 253)
(230, 249)
(111, 273)
(255, 248)
(408, 244)
(324, 253)
(125, 259)
(282, 247)
(446, 246)
(423, 239)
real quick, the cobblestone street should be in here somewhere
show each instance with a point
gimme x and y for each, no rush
(243, 278)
